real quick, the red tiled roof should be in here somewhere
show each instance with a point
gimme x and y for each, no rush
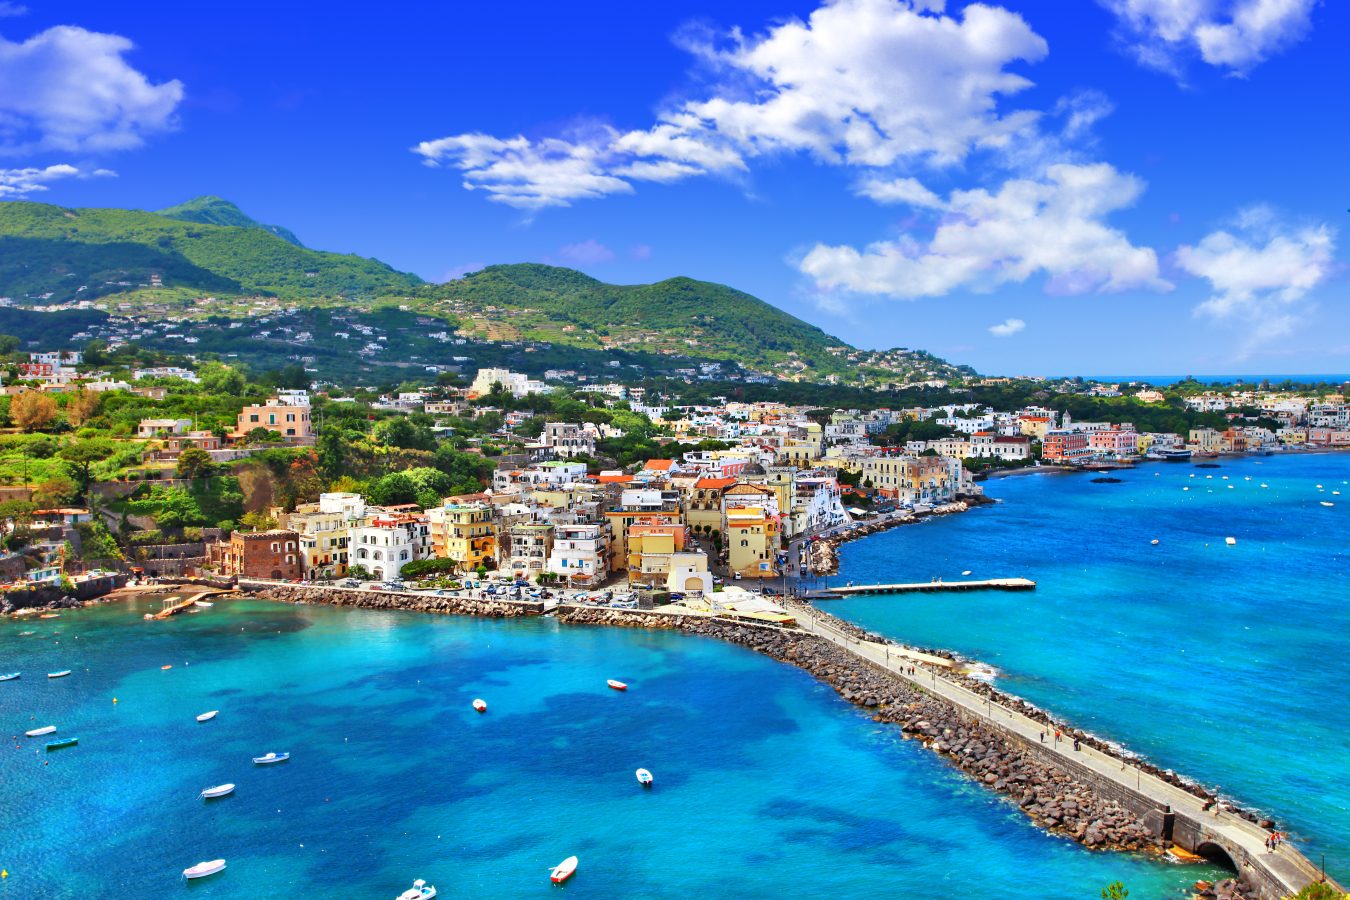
(659, 465)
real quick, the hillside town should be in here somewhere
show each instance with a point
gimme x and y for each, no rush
(528, 481)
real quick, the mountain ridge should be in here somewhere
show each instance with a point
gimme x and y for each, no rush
(209, 209)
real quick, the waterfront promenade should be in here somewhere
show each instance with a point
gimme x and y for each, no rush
(1275, 874)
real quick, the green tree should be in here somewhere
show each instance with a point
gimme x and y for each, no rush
(1319, 890)
(194, 463)
(331, 450)
(220, 379)
(401, 432)
(80, 456)
(1115, 891)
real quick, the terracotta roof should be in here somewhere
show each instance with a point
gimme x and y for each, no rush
(714, 482)
(659, 465)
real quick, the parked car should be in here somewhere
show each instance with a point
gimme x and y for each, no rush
(349, 583)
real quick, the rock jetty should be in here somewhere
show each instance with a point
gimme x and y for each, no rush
(429, 603)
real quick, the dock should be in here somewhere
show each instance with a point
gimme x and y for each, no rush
(173, 606)
(928, 587)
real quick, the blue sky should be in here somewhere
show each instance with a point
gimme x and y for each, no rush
(1140, 186)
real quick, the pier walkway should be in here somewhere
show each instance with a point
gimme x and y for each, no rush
(1278, 874)
(930, 587)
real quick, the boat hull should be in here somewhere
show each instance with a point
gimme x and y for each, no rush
(39, 732)
(271, 760)
(203, 869)
(564, 870)
(617, 685)
(68, 742)
(207, 716)
(223, 790)
(58, 674)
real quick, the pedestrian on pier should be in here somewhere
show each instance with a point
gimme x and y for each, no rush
(1075, 745)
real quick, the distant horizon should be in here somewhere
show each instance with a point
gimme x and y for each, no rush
(1307, 378)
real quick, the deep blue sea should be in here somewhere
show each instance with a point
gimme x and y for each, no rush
(1223, 662)
(766, 782)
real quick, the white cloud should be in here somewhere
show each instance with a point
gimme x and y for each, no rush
(899, 190)
(1052, 225)
(1260, 271)
(586, 253)
(1007, 328)
(865, 83)
(21, 182)
(1235, 35)
(9, 9)
(72, 90)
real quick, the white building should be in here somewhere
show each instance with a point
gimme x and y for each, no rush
(580, 553)
(383, 544)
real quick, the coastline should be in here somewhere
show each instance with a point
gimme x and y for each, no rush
(823, 553)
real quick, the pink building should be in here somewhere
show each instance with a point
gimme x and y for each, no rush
(1114, 443)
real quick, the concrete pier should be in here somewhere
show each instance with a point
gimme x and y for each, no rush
(929, 587)
(1175, 814)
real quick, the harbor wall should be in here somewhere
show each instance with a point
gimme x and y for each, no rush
(431, 603)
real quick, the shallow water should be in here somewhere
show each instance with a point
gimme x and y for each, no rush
(1222, 662)
(766, 782)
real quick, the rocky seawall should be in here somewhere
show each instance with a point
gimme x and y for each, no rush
(460, 606)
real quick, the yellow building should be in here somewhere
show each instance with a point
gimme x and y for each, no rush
(752, 542)
(464, 532)
(1145, 442)
(323, 541)
(651, 547)
(703, 503)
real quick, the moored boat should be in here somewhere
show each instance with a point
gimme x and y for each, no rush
(563, 870)
(58, 615)
(1230, 541)
(39, 732)
(1327, 503)
(208, 716)
(204, 604)
(480, 705)
(64, 742)
(419, 891)
(617, 685)
(271, 758)
(10, 676)
(202, 869)
(644, 778)
(219, 790)
(62, 674)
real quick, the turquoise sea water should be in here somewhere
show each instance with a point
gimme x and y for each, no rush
(766, 782)
(1223, 662)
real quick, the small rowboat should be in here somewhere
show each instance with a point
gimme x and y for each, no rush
(39, 732)
(563, 870)
(202, 869)
(219, 790)
(204, 604)
(644, 778)
(62, 674)
(64, 742)
(165, 668)
(207, 716)
(9, 677)
(271, 758)
(480, 705)
(617, 685)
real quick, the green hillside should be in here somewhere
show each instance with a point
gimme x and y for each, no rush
(206, 267)
(677, 316)
(87, 253)
(212, 210)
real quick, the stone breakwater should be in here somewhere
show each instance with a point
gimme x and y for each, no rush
(823, 557)
(1052, 797)
(1052, 724)
(460, 606)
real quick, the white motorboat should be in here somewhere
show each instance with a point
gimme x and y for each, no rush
(617, 685)
(563, 870)
(1327, 503)
(202, 869)
(644, 778)
(39, 732)
(966, 572)
(10, 676)
(1154, 542)
(208, 716)
(419, 891)
(219, 790)
(1230, 541)
(271, 758)
(204, 604)
(62, 674)
(480, 705)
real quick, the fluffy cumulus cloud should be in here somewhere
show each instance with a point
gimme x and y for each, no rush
(1053, 225)
(865, 83)
(68, 89)
(16, 183)
(1260, 272)
(1007, 328)
(1234, 35)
